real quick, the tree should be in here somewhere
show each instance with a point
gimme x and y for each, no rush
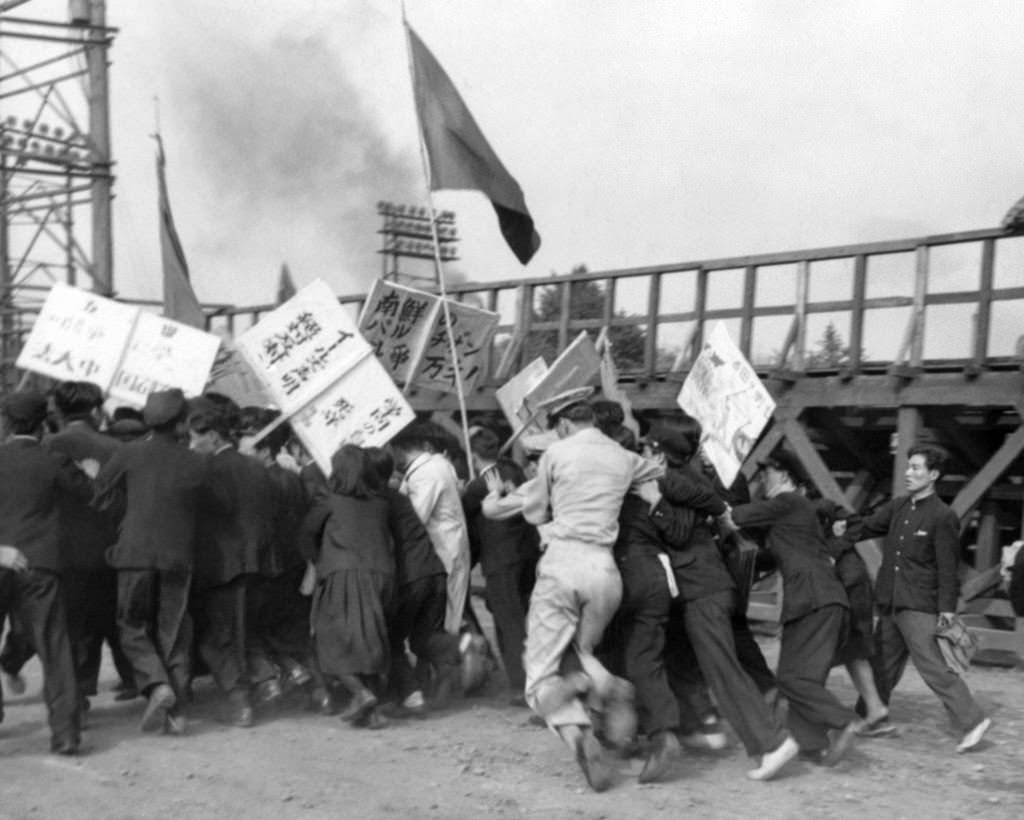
(586, 301)
(831, 351)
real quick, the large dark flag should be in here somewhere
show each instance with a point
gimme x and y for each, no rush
(460, 157)
(180, 302)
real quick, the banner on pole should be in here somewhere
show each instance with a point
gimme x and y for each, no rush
(511, 394)
(578, 366)
(397, 322)
(161, 354)
(363, 407)
(232, 376)
(78, 336)
(472, 328)
(724, 393)
(302, 347)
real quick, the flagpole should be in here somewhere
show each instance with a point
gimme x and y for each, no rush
(459, 388)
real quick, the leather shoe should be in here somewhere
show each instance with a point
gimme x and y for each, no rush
(590, 757)
(359, 707)
(841, 742)
(665, 750)
(240, 712)
(161, 700)
(67, 748)
(175, 724)
(269, 692)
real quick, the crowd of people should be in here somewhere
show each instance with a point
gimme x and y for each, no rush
(197, 538)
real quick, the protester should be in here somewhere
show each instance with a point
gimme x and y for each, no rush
(917, 589)
(158, 485)
(346, 533)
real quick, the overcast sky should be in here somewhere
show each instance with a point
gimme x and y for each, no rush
(640, 132)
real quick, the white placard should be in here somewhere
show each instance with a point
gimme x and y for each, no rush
(364, 407)
(723, 392)
(472, 329)
(577, 366)
(161, 354)
(78, 336)
(302, 347)
(510, 395)
(397, 322)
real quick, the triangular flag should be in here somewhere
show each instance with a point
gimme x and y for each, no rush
(180, 302)
(460, 157)
(285, 285)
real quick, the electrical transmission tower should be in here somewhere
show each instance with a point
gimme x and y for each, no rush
(56, 170)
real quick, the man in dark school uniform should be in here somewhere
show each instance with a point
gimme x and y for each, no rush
(236, 546)
(157, 482)
(33, 483)
(90, 583)
(916, 591)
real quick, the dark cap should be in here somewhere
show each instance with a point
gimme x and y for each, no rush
(559, 403)
(787, 462)
(678, 440)
(163, 407)
(127, 429)
(25, 407)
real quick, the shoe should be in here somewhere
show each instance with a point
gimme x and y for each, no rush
(359, 707)
(590, 757)
(665, 751)
(879, 727)
(240, 712)
(161, 699)
(15, 684)
(841, 742)
(814, 756)
(375, 720)
(175, 725)
(269, 692)
(620, 715)
(299, 676)
(65, 748)
(320, 700)
(710, 736)
(449, 685)
(973, 737)
(773, 761)
(126, 693)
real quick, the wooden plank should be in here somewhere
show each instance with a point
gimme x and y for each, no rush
(860, 279)
(747, 315)
(565, 315)
(908, 428)
(988, 550)
(812, 462)
(984, 310)
(768, 442)
(858, 490)
(803, 275)
(651, 340)
(700, 306)
(920, 294)
(975, 488)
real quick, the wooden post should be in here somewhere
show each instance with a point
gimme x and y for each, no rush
(988, 552)
(908, 428)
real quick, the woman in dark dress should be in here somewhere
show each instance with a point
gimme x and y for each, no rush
(346, 534)
(814, 613)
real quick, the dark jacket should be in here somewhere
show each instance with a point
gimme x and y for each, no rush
(33, 483)
(920, 554)
(88, 533)
(342, 532)
(236, 524)
(415, 558)
(796, 541)
(290, 508)
(498, 545)
(158, 482)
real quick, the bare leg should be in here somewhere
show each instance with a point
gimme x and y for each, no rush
(864, 681)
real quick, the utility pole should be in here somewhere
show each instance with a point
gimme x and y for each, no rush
(99, 138)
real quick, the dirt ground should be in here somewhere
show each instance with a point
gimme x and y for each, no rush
(483, 758)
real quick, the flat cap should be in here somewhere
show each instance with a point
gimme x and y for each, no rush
(25, 406)
(163, 406)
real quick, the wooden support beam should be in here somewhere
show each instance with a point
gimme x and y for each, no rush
(803, 276)
(972, 492)
(984, 312)
(651, 339)
(955, 438)
(908, 428)
(565, 315)
(988, 550)
(858, 490)
(769, 441)
(747, 319)
(860, 279)
(827, 419)
(812, 462)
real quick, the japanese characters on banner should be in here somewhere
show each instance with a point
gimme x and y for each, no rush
(78, 336)
(578, 366)
(397, 322)
(162, 354)
(724, 393)
(472, 329)
(363, 407)
(302, 347)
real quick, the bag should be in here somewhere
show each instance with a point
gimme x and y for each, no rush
(957, 645)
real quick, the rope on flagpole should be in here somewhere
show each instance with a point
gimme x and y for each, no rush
(425, 162)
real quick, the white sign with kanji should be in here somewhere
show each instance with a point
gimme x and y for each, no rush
(397, 322)
(302, 347)
(78, 336)
(364, 407)
(161, 354)
(723, 392)
(472, 328)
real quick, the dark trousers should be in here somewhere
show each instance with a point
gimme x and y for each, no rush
(508, 597)
(709, 626)
(155, 627)
(277, 625)
(92, 619)
(36, 600)
(750, 655)
(17, 649)
(808, 645)
(221, 631)
(417, 615)
(640, 628)
(910, 634)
